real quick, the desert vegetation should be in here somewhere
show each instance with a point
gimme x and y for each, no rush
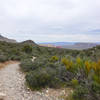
(57, 68)
(83, 75)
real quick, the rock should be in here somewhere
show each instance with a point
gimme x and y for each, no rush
(33, 59)
(47, 91)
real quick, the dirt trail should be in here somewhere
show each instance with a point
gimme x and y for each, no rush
(13, 87)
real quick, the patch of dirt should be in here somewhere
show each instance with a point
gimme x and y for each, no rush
(7, 63)
(58, 93)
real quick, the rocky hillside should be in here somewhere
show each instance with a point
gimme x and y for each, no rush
(2, 38)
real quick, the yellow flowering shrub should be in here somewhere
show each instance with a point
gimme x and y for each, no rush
(78, 60)
(65, 61)
(87, 66)
(68, 63)
(54, 58)
(96, 67)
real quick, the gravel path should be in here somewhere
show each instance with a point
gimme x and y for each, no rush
(12, 85)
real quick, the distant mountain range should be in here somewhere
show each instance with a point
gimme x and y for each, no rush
(72, 45)
(67, 45)
(58, 43)
(2, 38)
(80, 46)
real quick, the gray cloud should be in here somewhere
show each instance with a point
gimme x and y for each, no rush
(50, 20)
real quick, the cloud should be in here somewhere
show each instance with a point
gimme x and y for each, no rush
(46, 18)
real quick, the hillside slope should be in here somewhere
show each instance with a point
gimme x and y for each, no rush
(6, 39)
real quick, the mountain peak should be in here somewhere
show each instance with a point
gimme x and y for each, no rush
(29, 42)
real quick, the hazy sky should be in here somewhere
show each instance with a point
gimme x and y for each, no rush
(51, 20)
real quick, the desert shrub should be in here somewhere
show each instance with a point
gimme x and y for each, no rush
(41, 78)
(84, 70)
(27, 65)
(78, 60)
(74, 82)
(97, 68)
(15, 51)
(96, 87)
(14, 57)
(42, 59)
(54, 66)
(68, 64)
(96, 78)
(88, 67)
(79, 63)
(80, 93)
(3, 58)
(54, 59)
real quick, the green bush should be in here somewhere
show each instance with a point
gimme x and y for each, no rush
(52, 65)
(74, 82)
(14, 57)
(3, 58)
(80, 93)
(27, 65)
(41, 78)
(96, 87)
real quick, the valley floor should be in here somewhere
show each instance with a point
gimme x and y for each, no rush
(12, 86)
